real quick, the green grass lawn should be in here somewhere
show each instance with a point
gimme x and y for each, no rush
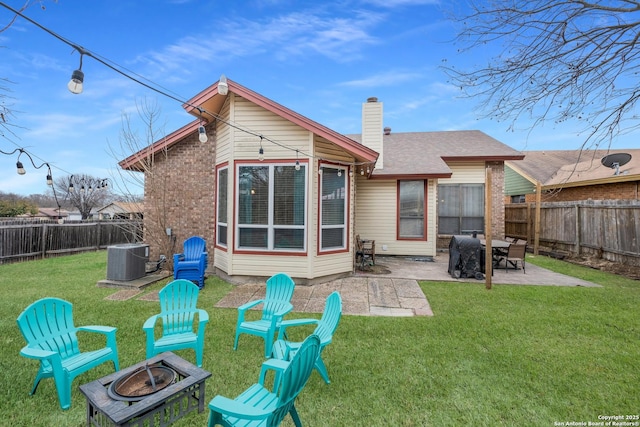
(512, 355)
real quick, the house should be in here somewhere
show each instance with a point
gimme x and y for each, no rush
(573, 175)
(51, 214)
(271, 190)
(121, 210)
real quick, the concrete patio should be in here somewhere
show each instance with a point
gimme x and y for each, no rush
(395, 291)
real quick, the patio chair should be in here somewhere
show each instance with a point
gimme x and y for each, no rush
(192, 263)
(516, 252)
(47, 326)
(276, 303)
(178, 311)
(365, 252)
(325, 329)
(259, 405)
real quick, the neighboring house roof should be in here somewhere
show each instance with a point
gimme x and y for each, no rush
(209, 100)
(123, 207)
(571, 168)
(425, 154)
(51, 212)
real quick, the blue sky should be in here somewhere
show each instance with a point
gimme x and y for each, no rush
(321, 59)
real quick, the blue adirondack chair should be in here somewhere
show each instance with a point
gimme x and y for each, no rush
(325, 329)
(276, 304)
(178, 311)
(261, 406)
(47, 326)
(192, 263)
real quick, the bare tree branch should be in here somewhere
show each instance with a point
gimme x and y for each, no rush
(147, 177)
(559, 61)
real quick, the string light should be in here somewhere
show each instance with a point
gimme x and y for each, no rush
(77, 77)
(202, 134)
(297, 161)
(223, 87)
(22, 171)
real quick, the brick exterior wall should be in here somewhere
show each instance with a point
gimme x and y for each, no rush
(497, 200)
(612, 191)
(180, 194)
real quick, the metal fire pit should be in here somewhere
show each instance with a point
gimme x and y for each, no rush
(141, 383)
(127, 397)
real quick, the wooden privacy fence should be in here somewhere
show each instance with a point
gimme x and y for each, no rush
(24, 241)
(603, 228)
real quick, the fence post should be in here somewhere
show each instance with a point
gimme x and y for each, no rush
(577, 249)
(536, 241)
(44, 240)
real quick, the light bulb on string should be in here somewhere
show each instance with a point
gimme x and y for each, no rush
(20, 168)
(75, 85)
(202, 134)
(261, 154)
(339, 172)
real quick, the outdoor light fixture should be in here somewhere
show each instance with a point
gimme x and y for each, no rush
(261, 154)
(49, 180)
(20, 167)
(77, 77)
(202, 134)
(75, 84)
(71, 187)
(297, 161)
(223, 87)
(339, 172)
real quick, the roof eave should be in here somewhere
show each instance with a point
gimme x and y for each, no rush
(599, 181)
(360, 152)
(393, 176)
(134, 161)
(483, 158)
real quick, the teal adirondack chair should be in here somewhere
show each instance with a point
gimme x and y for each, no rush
(276, 303)
(325, 329)
(178, 310)
(191, 264)
(47, 326)
(259, 406)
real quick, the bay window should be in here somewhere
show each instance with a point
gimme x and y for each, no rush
(333, 208)
(221, 206)
(271, 207)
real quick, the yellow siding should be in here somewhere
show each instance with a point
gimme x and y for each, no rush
(465, 173)
(376, 210)
(238, 145)
(262, 122)
(221, 259)
(224, 135)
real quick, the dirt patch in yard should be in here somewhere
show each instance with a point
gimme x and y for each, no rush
(625, 270)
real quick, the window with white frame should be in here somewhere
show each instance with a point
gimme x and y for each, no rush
(412, 209)
(271, 207)
(221, 207)
(460, 208)
(333, 208)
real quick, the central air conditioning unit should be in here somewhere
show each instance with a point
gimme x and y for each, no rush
(127, 261)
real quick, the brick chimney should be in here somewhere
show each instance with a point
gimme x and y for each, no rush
(372, 127)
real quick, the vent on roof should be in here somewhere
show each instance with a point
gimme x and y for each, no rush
(372, 99)
(387, 130)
